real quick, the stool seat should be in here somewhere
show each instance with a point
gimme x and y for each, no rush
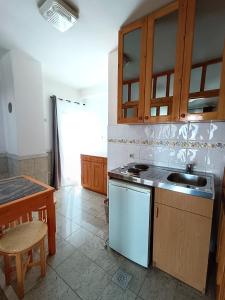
(23, 237)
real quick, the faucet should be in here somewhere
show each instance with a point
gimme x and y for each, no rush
(189, 168)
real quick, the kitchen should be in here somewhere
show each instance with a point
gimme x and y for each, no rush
(162, 177)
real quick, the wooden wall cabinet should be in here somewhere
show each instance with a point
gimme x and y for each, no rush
(181, 236)
(165, 45)
(180, 65)
(203, 80)
(131, 75)
(94, 173)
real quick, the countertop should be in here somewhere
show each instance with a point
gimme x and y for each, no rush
(97, 154)
(157, 177)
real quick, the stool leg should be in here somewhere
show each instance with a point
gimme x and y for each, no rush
(7, 269)
(42, 257)
(20, 276)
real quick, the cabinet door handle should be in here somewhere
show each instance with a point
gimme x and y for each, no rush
(157, 212)
(146, 117)
(182, 115)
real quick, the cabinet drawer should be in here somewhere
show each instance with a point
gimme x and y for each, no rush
(193, 204)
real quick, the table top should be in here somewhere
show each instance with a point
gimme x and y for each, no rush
(18, 187)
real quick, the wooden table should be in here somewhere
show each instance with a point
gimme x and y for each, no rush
(18, 206)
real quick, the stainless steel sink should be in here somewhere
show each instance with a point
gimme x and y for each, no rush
(187, 179)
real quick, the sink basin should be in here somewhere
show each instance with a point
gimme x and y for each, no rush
(188, 179)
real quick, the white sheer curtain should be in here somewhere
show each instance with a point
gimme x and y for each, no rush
(71, 118)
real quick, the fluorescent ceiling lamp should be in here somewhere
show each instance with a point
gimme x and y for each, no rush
(59, 14)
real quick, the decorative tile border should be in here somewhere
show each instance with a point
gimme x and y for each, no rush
(169, 143)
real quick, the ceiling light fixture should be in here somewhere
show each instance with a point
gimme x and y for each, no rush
(59, 14)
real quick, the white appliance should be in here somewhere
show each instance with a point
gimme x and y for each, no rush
(130, 220)
(59, 14)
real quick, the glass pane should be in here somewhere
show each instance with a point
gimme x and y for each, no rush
(171, 84)
(153, 112)
(125, 93)
(131, 60)
(135, 91)
(201, 105)
(195, 83)
(212, 80)
(163, 110)
(164, 55)
(130, 112)
(161, 87)
(208, 44)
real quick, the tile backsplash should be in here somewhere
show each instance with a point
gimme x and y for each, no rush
(171, 145)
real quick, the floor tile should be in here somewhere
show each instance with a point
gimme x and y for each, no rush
(51, 287)
(109, 260)
(64, 226)
(64, 250)
(114, 292)
(93, 282)
(185, 292)
(121, 278)
(72, 269)
(92, 247)
(158, 285)
(79, 237)
(138, 274)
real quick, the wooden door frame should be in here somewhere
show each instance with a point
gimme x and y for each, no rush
(142, 24)
(188, 51)
(181, 7)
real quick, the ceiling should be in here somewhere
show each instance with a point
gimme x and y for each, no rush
(78, 57)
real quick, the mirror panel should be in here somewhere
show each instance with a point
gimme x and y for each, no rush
(171, 84)
(212, 79)
(153, 111)
(125, 93)
(134, 91)
(163, 64)
(196, 75)
(131, 63)
(207, 54)
(130, 112)
(164, 110)
(161, 86)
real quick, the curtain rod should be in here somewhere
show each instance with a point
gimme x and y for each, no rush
(70, 101)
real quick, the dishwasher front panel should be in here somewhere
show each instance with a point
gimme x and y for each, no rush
(129, 221)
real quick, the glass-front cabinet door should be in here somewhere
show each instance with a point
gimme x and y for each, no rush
(203, 91)
(165, 45)
(131, 72)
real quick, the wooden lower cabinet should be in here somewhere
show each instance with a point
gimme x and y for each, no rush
(181, 238)
(94, 173)
(220, 257)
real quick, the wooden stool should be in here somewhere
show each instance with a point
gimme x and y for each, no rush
(20, 240)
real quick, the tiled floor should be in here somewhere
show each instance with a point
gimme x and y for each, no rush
(83, 269)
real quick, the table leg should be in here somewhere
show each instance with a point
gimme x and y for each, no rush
(51, 226)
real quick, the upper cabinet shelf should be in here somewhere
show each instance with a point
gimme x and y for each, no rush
(171, 64)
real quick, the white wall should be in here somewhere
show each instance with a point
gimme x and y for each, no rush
(28, 89)
(7, 95)
(96, 118)
(112, 87)
(52, 87)
(21, 84)
(2, 134)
